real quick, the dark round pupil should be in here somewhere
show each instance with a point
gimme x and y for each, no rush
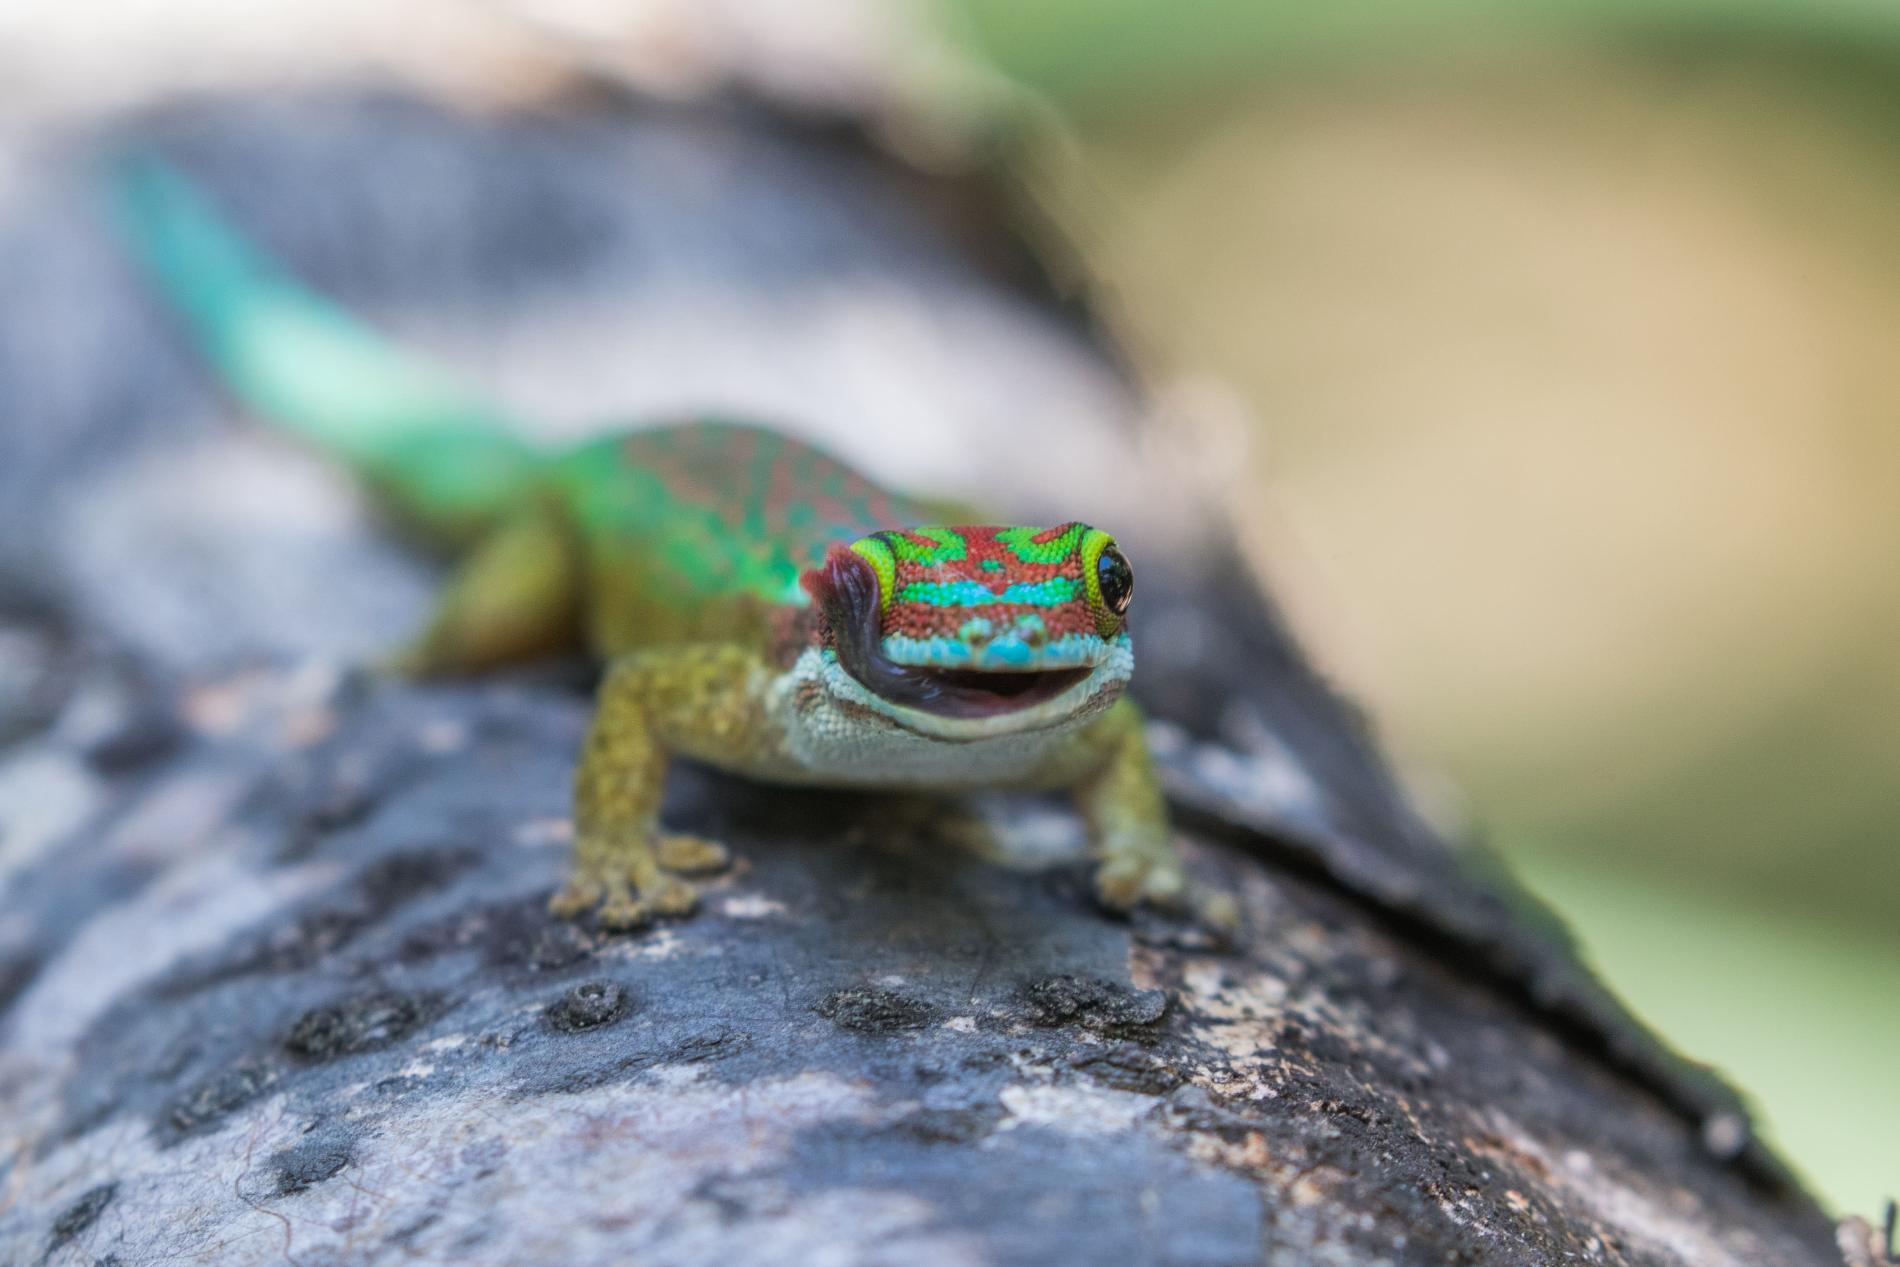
(1117, 580)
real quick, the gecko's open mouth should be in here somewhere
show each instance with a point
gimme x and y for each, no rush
(965, 692)
(846, 588)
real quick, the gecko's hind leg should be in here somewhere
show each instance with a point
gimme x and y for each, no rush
(513, 599)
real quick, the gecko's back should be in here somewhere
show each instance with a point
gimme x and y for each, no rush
(705, 528)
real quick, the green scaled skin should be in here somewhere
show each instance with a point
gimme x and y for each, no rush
(760, 606)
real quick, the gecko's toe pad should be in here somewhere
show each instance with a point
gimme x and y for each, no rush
(575, 898)
(1122, 882)
(693, 854)
(623, 914)
(618, 908)
(672, 896)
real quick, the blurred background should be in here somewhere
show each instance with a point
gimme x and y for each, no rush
(1568, 335)
(1559, 337)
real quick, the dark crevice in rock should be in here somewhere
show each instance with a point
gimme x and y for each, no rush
(1090, 1002)
(320, 1155)
(229, 1089)
(874, 1010)
(81, 1214)
(361, 1024)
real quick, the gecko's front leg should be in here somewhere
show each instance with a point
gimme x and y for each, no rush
(651, 705)
(1127, 817)
(1128, 823)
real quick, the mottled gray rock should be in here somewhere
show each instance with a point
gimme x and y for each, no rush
(276, 981)
(296, 996)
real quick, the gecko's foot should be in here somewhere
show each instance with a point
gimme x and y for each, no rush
(577, 897)
(1124, 883)
(626, 896)
(692, 854)
(613, 901)
(672, 896)
(1124, 880)
(622, 910)
(624, 914)
(1215, 908)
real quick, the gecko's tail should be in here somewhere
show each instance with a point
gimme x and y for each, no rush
(444, 461)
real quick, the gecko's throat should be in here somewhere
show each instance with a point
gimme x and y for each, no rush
(846, 589)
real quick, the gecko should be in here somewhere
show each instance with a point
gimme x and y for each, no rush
(757, 605)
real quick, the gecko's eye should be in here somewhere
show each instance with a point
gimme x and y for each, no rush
(1116, 578)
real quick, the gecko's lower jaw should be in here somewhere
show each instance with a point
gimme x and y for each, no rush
(963, 705)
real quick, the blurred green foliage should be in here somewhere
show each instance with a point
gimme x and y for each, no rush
(1706, 786)
(1111, 54)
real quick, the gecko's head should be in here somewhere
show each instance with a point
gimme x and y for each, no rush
(969, 632)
